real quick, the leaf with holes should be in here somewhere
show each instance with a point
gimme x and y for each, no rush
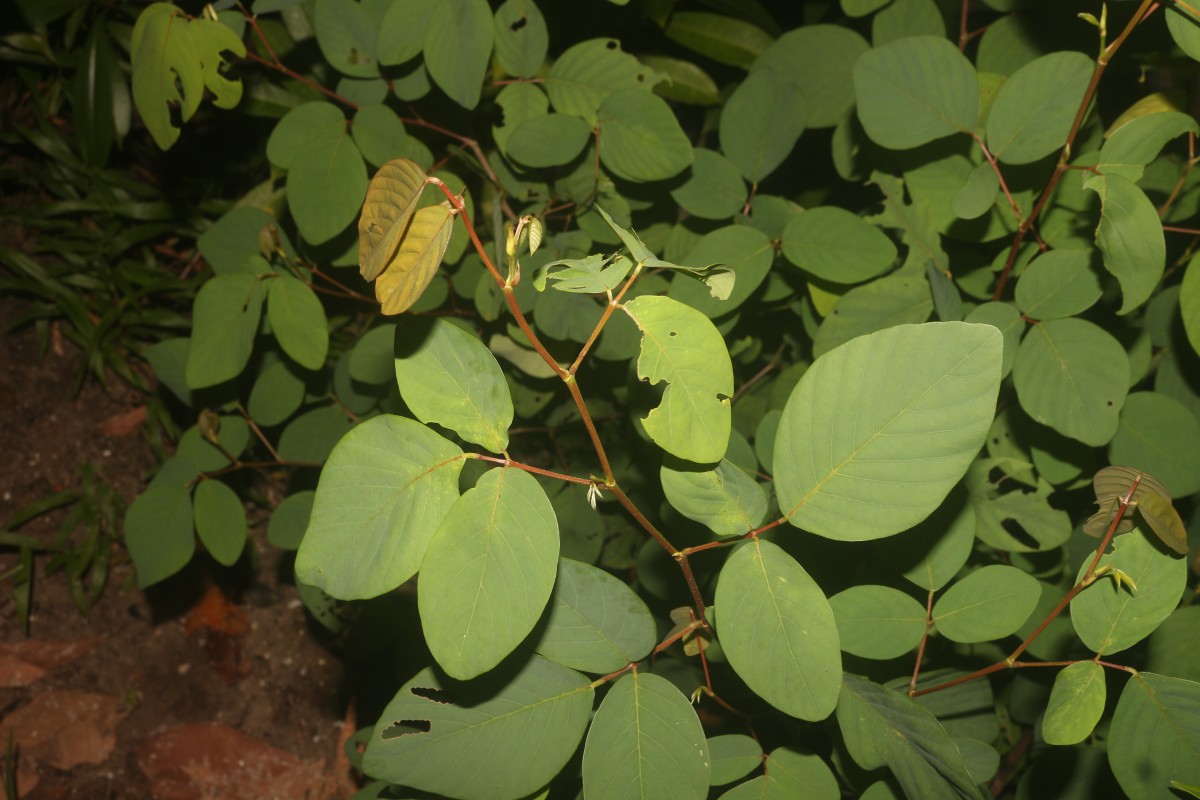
(516, 728)
(682, 347)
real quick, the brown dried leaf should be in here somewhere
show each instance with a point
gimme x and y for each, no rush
(195, 761)
(22, 663)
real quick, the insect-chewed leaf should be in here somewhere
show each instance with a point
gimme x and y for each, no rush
(391, 199)
(1116, 481)
(421, 253)
(1164, 520)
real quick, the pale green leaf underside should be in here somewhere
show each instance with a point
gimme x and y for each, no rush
(990, 603)
(488, 572)
(884, 728)
(448, 376)
(778, 631)
(1109, 617)
(383, 492)
(595, 622)
(1130, 236)
(1155, 736)
(502, 736)
(1075, 705)
(1073, 376)
(877, 621)
(682, 347)
(725, 499)
(645, 743)
(865, 413)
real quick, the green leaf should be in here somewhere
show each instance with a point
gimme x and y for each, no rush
(595, 622)
(313, 435)
(298, 321)
(714, 188)
(877, 621)
(745, 251)
(1189, 303)
(276, 395)
(724, 39)
(233, 433)
(1007, 319)
(167, 70)
(1129, 148)
(915, 91)
(640, 138)
(488, 572)
(645, 742)
(990, 603)
(684, 82)
(1073, 376)
(778, 631)
(403, 29)
(1158, 435)
(519, 102)
(234, 238)
(379, 133)
(1154, 740)
(1034, 109)
(819, 59)
(515, 729)
(884, 728)
(761, 122)
(595, 274)
(885, 303)
(1110, 618)
(863, 415)
(448, 376)
(549, 140)
(861, 8)
(978, 195)
(385, 489)
(521, 38)
(836, 245)
(302, 125)
(682, 347)
(326, 186)
(725, 499)
(1058, 284)
(1185, 30)
(1170, 650)
(1017, 521)
(458, 47)
(903, 18)
(932, 552)
(289, 520)
(733, 756)
(1076, 703)
(590, 71)
(1130, 236)
(220, 520)
(802, 775)
(346, 34)
(225, 321)
(158, 533)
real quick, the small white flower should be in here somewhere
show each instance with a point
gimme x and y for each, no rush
(592, 495)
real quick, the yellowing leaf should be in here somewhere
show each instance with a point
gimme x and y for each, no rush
(391, 198)
(421, 251)
(1164, 520)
